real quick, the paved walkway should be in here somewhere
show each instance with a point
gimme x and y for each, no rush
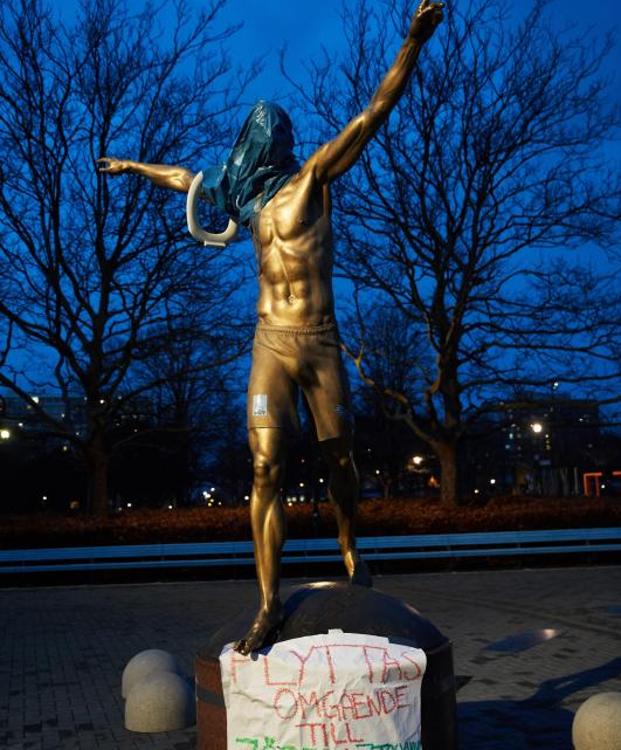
(63, 649)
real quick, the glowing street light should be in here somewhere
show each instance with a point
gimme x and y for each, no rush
(536, 427)
(417, 460)
(5, 434)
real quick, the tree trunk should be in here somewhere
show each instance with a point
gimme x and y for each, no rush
(449, 473)
(98, 464)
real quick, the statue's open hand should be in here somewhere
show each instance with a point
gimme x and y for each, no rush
(427, 18)
(110, 165)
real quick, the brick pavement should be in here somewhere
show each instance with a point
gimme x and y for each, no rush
(63, 649)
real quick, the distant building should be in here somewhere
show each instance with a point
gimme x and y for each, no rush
(16, 414)
(543, 445)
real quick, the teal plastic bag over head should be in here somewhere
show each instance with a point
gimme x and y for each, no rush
(259, 164)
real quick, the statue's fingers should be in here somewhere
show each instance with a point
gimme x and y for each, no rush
(433, 8)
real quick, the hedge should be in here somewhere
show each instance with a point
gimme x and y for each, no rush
(376, 517)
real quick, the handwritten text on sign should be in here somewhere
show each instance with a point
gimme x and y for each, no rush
(339, 691)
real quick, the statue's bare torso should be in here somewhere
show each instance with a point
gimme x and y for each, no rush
(293, 239)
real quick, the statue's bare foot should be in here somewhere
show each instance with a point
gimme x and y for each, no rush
(263, 631)
(361, 575)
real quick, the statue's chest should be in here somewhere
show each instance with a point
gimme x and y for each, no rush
(294, 213)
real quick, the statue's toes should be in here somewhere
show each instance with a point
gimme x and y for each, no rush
(263, 632)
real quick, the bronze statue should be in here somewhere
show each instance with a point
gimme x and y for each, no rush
(296, 343)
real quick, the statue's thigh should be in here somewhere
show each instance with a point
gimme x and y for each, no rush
(272, 393)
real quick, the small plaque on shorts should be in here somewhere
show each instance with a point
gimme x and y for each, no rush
(259, 405)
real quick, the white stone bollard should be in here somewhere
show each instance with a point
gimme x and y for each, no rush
(145, 663)
(162, 702)
(597, 723)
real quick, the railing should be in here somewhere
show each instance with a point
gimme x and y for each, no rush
(226, 554)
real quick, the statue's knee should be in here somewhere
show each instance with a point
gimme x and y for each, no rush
(266, 469)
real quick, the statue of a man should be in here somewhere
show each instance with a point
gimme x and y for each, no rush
(296, 345)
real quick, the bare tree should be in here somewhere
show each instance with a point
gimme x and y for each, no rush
(397, 362)
(198, 387)
(94, 277)
(463, 211)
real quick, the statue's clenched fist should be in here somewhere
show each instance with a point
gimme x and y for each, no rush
(425, 21)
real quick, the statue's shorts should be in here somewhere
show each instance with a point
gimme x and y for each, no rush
(287, 360)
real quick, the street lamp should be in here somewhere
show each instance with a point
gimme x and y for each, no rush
(5, 434)
(536, 427)
(417, 460)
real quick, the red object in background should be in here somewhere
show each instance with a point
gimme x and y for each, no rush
(592, 482)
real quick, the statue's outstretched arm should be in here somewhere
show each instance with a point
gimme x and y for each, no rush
(174, 178)
(336, 157)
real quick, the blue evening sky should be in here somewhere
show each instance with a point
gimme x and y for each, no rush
(306, 26)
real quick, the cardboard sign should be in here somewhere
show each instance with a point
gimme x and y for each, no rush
(338, 691)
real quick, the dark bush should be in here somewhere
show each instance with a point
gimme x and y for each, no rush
(376, 517)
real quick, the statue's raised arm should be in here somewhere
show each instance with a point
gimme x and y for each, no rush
(337, 156)
(163, 175)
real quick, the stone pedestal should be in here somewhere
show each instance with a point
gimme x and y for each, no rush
(317, 608)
